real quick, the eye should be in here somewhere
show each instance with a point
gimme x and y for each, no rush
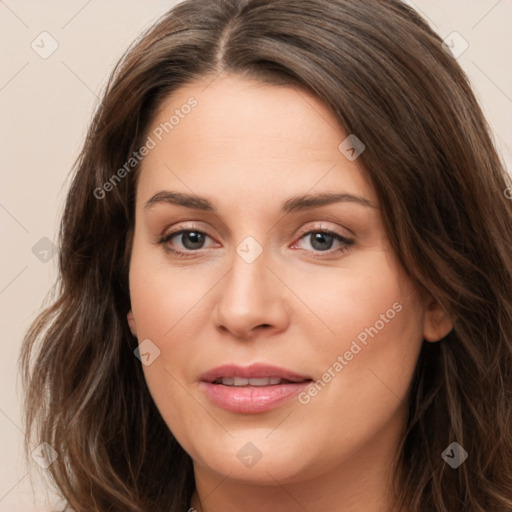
(190, 240)
(322, 241)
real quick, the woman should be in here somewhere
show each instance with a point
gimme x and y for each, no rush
(285, 279)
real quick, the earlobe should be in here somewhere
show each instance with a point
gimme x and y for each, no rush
(131, 322)
(437, 322)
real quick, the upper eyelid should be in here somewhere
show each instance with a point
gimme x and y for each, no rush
(196, 224)
(193, 227)
(167, 236)
(184, 226)
(322, 229)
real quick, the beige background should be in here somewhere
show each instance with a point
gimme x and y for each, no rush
(45, 106)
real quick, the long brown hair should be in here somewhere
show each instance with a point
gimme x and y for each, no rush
(431, 160)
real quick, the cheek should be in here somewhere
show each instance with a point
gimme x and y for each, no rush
(371, 300)
(163, 296)
(365, 361)
(365, 357)
(168, 306)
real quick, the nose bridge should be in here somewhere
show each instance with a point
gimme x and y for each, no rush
(247, 284)
(251, 296)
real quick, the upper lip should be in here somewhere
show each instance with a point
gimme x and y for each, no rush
(253, 371)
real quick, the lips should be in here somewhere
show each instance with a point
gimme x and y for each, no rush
(251, 389)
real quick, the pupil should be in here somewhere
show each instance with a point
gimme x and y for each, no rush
(321, 238)
(196, 239)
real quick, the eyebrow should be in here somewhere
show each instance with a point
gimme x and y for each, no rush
(291, 205)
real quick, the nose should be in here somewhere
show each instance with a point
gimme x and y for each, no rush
(251, 299)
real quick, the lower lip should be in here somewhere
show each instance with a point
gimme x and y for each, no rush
(250, 400)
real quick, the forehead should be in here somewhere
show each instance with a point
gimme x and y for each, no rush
(231, 132)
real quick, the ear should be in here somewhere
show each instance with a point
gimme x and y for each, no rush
(131, 322)
(437, 322)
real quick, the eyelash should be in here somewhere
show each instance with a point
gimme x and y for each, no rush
(346, 242)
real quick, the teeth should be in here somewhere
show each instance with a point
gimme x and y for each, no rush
(242, 381)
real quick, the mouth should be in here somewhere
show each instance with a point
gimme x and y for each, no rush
(254, 382)
(252, 389)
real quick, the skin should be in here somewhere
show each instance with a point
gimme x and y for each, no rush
(248, 147)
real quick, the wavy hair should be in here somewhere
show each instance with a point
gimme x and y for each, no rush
(441, 186)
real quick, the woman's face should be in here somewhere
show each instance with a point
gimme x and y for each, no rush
(259, 253)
